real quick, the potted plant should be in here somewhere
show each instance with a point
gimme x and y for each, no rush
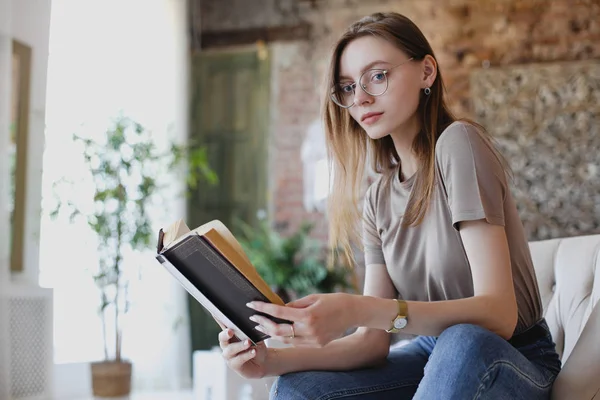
(294, 265)
(125, 165)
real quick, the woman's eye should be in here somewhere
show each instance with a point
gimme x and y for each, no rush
(378, 77)
(347, 89)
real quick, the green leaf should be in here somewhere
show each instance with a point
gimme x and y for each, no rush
(54, 213)
(294, 263)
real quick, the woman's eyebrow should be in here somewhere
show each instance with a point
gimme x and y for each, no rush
(366, 67)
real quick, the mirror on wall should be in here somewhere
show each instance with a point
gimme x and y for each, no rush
(19, 129)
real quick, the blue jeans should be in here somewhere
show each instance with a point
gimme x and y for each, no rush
(464, 362)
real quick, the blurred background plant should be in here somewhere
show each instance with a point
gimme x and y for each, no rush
(295, 265)
(128, 173)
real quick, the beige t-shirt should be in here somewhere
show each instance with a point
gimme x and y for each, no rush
(428, 262)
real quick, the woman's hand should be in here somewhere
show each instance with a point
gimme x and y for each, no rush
(317, 319)
(247, 360)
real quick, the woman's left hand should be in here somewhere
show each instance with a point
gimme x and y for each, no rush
(317, 319)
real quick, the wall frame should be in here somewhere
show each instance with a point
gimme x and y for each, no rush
(19, 135)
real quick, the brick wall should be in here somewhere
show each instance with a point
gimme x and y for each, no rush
(295, 106)
(471, 34)
(465, 34)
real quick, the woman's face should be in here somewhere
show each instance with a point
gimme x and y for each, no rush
(394, 110)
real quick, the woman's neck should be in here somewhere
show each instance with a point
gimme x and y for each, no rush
(403, 142)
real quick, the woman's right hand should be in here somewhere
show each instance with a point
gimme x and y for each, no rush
(247, 360)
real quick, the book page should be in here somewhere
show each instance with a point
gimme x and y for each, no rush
(226, 234)
(174, 233)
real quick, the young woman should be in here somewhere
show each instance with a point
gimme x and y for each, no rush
(445, 252)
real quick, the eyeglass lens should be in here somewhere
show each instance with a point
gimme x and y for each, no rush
(373, 82)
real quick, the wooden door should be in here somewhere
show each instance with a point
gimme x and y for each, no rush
(229, 115)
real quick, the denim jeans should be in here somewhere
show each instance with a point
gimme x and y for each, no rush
(464, 362)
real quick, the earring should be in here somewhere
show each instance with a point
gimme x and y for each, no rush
(427, 91)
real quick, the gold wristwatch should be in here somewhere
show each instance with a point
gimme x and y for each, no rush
(401, 319)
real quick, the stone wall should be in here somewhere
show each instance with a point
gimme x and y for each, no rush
(468, 36)
(546, 120)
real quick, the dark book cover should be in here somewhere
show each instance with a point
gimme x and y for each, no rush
(226, 288)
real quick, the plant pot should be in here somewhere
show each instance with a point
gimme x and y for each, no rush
(111, 378)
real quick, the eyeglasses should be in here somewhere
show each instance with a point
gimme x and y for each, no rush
(374, 82)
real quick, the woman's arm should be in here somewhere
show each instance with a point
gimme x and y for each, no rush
(319, 318)
(365, 347)
(493, 305)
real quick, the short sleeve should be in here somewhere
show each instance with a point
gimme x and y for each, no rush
(473, 176)
(373, 251)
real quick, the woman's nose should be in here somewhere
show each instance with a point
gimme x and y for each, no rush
(362, 97)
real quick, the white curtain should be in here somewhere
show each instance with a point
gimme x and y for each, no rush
(316, 168)
(106, 57)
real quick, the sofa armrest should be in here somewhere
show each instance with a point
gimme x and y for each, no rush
(579, 378)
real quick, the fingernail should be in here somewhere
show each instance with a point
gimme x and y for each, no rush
(259, 328)
(253, 352)
(250, 305)
(253, 318)
(247, 343)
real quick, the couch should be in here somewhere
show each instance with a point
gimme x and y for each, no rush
(568, 272)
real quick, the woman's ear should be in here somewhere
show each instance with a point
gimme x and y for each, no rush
(429, 71)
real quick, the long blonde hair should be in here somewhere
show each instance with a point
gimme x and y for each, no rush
(348, 144)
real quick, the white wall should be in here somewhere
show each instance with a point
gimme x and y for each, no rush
(27, 21)
(138, 66)
(5, 57)
(5, 68)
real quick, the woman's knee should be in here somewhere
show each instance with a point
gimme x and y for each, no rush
(466, 342)
(284, 385)
(460, 348)
(299, 385)
(466, 333)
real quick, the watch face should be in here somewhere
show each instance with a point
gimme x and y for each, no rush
(400, 323)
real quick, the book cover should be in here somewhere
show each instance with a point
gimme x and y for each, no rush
(210, 264)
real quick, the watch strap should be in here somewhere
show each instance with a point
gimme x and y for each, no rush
(402, 313)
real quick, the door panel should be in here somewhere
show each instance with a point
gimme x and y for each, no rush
(229, 115)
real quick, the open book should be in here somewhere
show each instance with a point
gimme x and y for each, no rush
(212, 266)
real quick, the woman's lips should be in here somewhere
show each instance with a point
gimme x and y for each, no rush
(371, 118)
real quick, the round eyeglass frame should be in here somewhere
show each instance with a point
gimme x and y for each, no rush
(383, 71)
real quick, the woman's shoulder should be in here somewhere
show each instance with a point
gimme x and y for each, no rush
(462, 138)
(464, 146)
(456, 134)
